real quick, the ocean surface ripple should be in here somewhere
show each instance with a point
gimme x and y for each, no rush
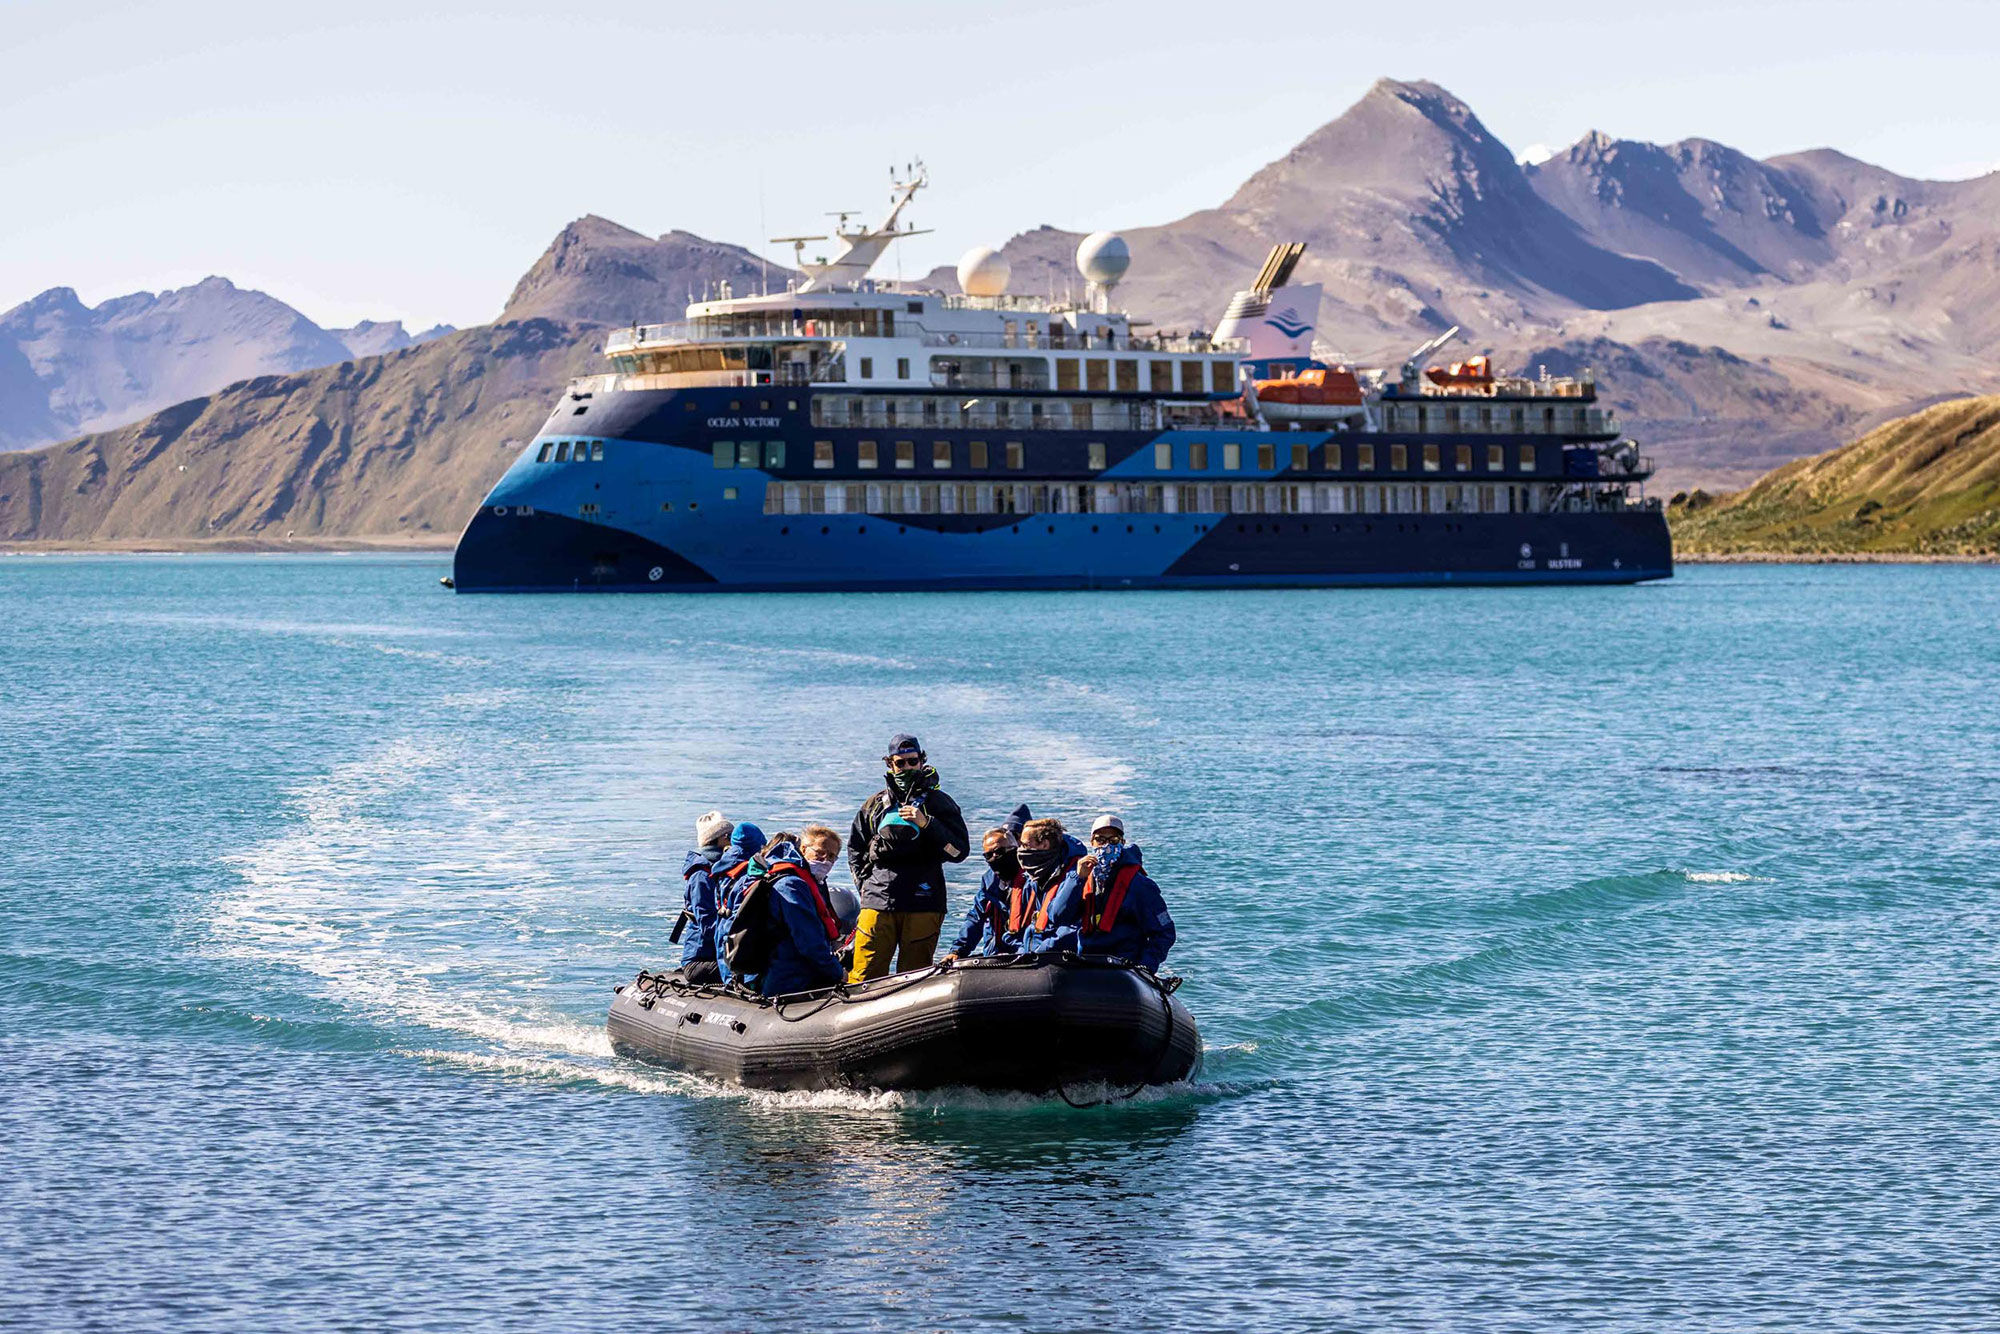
(1610, 959)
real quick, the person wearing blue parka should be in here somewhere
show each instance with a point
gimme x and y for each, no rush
(985, 929)
(746, 840)
(1049, 856)
(1110, 908)
(806, 930)
(697, 920)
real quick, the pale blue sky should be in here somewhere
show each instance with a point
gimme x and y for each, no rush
(410, 160)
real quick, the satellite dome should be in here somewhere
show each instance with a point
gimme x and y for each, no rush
(984, 271)
(1103, 258)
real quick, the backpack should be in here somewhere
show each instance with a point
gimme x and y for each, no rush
(753, 936)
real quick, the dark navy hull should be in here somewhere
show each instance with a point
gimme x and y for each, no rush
(1032, 1025)
(651, 511)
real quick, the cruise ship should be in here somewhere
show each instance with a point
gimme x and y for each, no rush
(844, 434)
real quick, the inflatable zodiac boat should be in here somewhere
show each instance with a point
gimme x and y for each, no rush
(1036, 1024)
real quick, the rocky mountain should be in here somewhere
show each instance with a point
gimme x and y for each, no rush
(396, 447)
(1927, 484)
(371, 338)
(1739, 313)
(597, 272)
(67, 368)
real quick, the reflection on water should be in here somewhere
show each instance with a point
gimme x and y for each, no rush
(1606, 957)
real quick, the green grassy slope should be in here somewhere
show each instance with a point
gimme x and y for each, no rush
(1926, 484)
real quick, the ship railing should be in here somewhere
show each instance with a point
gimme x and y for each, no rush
(722, 330)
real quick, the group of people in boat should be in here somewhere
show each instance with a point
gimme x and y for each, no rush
(762, 913)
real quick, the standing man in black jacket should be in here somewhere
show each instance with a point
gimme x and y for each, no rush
(897, 850)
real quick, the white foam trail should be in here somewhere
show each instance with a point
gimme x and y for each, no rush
(1718, 877)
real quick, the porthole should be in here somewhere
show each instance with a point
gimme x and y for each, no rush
(824, 530)
(786, 531)
(1093, 528)
(901, 529)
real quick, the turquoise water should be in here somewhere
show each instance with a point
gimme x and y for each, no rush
(1613, 958)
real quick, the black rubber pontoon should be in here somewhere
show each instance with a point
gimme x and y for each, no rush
(1033, 1024)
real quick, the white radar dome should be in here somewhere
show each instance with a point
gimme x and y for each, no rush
(1103, 258)
(984, 271)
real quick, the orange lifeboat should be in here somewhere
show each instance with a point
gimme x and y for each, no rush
(1322, 394)
(1475, 374)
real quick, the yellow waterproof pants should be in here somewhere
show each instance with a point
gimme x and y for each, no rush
(909, 937)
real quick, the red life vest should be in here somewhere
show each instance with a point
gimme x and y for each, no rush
(725, 885)
(1101, 911)
(820, 905)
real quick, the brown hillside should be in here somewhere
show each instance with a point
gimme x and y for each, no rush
(398, 446)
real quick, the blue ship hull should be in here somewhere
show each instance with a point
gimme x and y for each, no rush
(650, 511)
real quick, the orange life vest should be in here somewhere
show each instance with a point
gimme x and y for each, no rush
(1021, 904)
(1100, 912)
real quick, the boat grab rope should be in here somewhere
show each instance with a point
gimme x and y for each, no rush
(1167, 987)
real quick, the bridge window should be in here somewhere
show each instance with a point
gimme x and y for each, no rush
(1267, 458)
(1016, 455)
(902, 368)
(1163, 455)
(1232, 457)
(746, 453)
(1496, 458)
(1191, 378)
(1095, 451)
(1097, 375)
(1128, 376)
(725, 453)
(1333, 456)
(562, 451)
(867, 368)
(1198, 456)
(940, 453)
(1464, 460)
(548, 451)
(1222, 376)
(906, 453)
(1364, 457)
(864, 454)
(1066, 374)
(1527, 458)
(597, 451)
(822, 453)
(1430, 458)
(1302, 456)
(977, 452)
(1399, 458)
(1160, 377)
(774, 453)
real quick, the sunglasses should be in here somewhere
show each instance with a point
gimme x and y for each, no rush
(1103, 836)
(906, 761)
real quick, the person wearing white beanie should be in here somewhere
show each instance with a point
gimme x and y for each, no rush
(698, 909)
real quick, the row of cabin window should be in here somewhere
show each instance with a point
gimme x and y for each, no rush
(1167, 456)
(955, 412)
(1421, 417)
(1103, 375)
(571, 451)
(1147, 498)
(1194, 456)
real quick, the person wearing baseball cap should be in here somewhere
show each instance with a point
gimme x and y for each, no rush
(1111, 908)
(697, 918)
(901, 839)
